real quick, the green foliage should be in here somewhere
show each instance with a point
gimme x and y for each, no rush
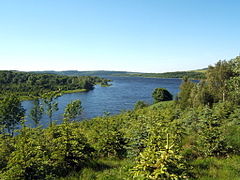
(234, 82)
(29, 158)
(106, 137)
(213, 168)
(217, 77)
(50, 103)
(6, 148)
(67, 147)
(198, 136)
(211, 141)
(184, 94)
(73, 110)
(209, 130)
(36, 112)
(161, 94)
(43, 154)
(221, 84)
(161, 158)
(200, 95)
(198, 74)
(163, 163)
(163, 139)
(140, 105)
(11, 113)
(104, 169)
(32, 85)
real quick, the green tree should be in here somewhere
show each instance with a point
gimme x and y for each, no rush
(161, 94)
(36, 112)
(30, 158)
(217, 77)
(11, 112)
(234, 82)
(200, 95)
(6, 148)
(51, 105)
(73, 110)
(67, 147)
(211, 141)
(161, 159)
(106, 137)
(184, 94)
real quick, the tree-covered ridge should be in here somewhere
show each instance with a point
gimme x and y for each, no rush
(32, 84)
(85, 73)
(177, 74)
(196, 74)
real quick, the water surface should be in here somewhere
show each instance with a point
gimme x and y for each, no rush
(122, 95)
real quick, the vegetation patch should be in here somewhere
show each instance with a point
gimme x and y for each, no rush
(195, 136)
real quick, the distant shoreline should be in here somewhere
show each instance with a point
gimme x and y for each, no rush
(156, 77)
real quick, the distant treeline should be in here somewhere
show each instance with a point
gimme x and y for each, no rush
(178, 74)
(33, 84)
(85, 73)
(198, 74)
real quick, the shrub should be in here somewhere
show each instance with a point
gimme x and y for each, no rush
(161, 94)
(140, 105)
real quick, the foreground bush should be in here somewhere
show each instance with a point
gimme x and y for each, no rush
(45, 154)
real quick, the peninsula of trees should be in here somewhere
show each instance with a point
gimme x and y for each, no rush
(31, 85)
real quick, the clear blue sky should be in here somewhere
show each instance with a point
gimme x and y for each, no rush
(131, 35)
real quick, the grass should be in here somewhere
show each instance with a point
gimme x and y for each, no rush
(213, 168)
(161, 104)
(106, 85)
(28, 98)
(200, 70)
(103, 169)
(74, 91)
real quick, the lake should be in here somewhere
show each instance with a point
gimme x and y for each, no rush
(122, 95)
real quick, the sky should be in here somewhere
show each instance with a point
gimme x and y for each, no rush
(126, 35)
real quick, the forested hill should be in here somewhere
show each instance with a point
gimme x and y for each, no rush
(32, 84)
(86, 73)
(195, 74)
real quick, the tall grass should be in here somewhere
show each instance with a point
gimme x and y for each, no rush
(104, 169)
(217, 168)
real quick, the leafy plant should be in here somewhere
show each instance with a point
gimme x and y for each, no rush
(11, 113)
(161, 162)
(72, 110)
(161, 94)
(140, 105)
(36, 112)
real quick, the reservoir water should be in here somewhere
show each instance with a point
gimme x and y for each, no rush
(122, 95)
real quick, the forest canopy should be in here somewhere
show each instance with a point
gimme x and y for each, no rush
(33, 84)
